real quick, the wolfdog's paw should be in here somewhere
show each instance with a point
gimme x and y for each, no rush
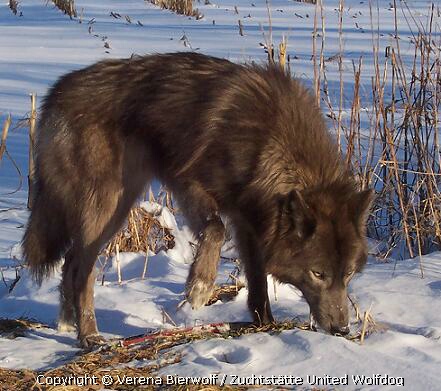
(66, 327)
(198, 292)
(92, 341)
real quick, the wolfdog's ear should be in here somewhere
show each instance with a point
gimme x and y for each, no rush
(300, 215)
(359, 206)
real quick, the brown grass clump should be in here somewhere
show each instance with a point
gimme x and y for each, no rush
(13, 5)
(13, 328)
(142, 232)
(182, 7)
(67, 7)
(225, 293)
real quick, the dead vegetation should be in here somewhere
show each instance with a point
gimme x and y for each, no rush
(5, 132)
(13, 328)
(117, 360)
(67, 7)
(388, 130)
(13, 6)
(390, 136)
(225, 292)
(142, 233)
(182, 7)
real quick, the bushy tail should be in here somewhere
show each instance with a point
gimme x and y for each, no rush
(46, 238)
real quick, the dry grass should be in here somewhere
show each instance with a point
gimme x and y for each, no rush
(13, 328)
(114, 359)
(5, 132)
(182, 7)
(393, 146)
(13, 6)
(142, 232)
(67, 7)
(225, 293)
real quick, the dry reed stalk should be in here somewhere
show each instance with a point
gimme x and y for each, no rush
(102, 270)
(118, 264)
(418, 241)
(5, 131)
(135, 231)
(314, 55)
(166, 317)
(151, 196)
(169, 201)
(32, 125)
(322, 49)
(276, 298)
(355, 116)
(282, 53)
(367, 323)
(144, 269)
(240, 28)
(340, 71)
(364, 327)
(356, 309)
(269, 47)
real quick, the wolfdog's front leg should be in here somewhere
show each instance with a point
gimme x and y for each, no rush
(258, 300)
(203, 271)
(201, 211)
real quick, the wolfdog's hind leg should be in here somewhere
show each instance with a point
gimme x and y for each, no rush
(102, 217)
(83, 288)
(201, 211)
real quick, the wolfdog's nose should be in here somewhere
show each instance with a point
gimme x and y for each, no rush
(340, 330)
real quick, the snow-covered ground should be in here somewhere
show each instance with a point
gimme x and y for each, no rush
(43, 44)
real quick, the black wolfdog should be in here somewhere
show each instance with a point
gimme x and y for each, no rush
(244, 141)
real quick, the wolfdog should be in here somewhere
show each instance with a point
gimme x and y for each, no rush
(243, 141)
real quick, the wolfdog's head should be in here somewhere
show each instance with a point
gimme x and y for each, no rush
(319, 246)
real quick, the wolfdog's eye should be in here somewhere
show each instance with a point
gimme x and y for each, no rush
(319, 275)
(350, 273)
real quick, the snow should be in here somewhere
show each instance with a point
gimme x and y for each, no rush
(43, 44)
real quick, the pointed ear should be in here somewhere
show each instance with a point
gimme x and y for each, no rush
(359, 208)
(299, 215)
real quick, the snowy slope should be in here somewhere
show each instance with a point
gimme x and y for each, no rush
(43, 44)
